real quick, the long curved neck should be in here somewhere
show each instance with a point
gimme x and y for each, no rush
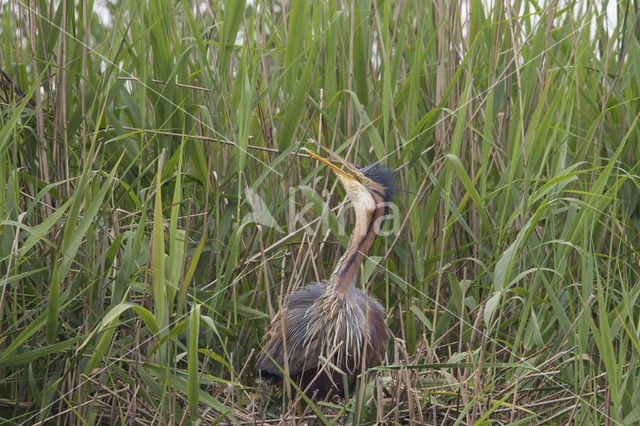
(345, 273)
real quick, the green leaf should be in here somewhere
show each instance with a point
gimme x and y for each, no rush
(490, 306)
(193, 387)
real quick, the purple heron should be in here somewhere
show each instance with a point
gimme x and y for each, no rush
(334, 320)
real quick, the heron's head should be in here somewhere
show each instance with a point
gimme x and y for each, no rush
(369, 188)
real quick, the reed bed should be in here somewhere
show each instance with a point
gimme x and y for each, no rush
(155, 206)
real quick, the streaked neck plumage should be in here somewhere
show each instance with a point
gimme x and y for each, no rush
(343, 278)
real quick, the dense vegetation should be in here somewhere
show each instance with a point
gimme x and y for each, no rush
(155, 205)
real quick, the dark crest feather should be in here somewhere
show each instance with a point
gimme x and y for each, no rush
(383, 176)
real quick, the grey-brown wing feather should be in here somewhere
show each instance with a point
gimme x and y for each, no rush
(303, 351)
(378, 332)
(302, 354)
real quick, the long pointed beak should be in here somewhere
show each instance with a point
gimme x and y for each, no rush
(350, 173)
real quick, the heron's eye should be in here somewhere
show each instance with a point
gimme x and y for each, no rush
(365, 179)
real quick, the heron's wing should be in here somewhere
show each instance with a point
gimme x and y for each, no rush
(290, 330)
(376, 326)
